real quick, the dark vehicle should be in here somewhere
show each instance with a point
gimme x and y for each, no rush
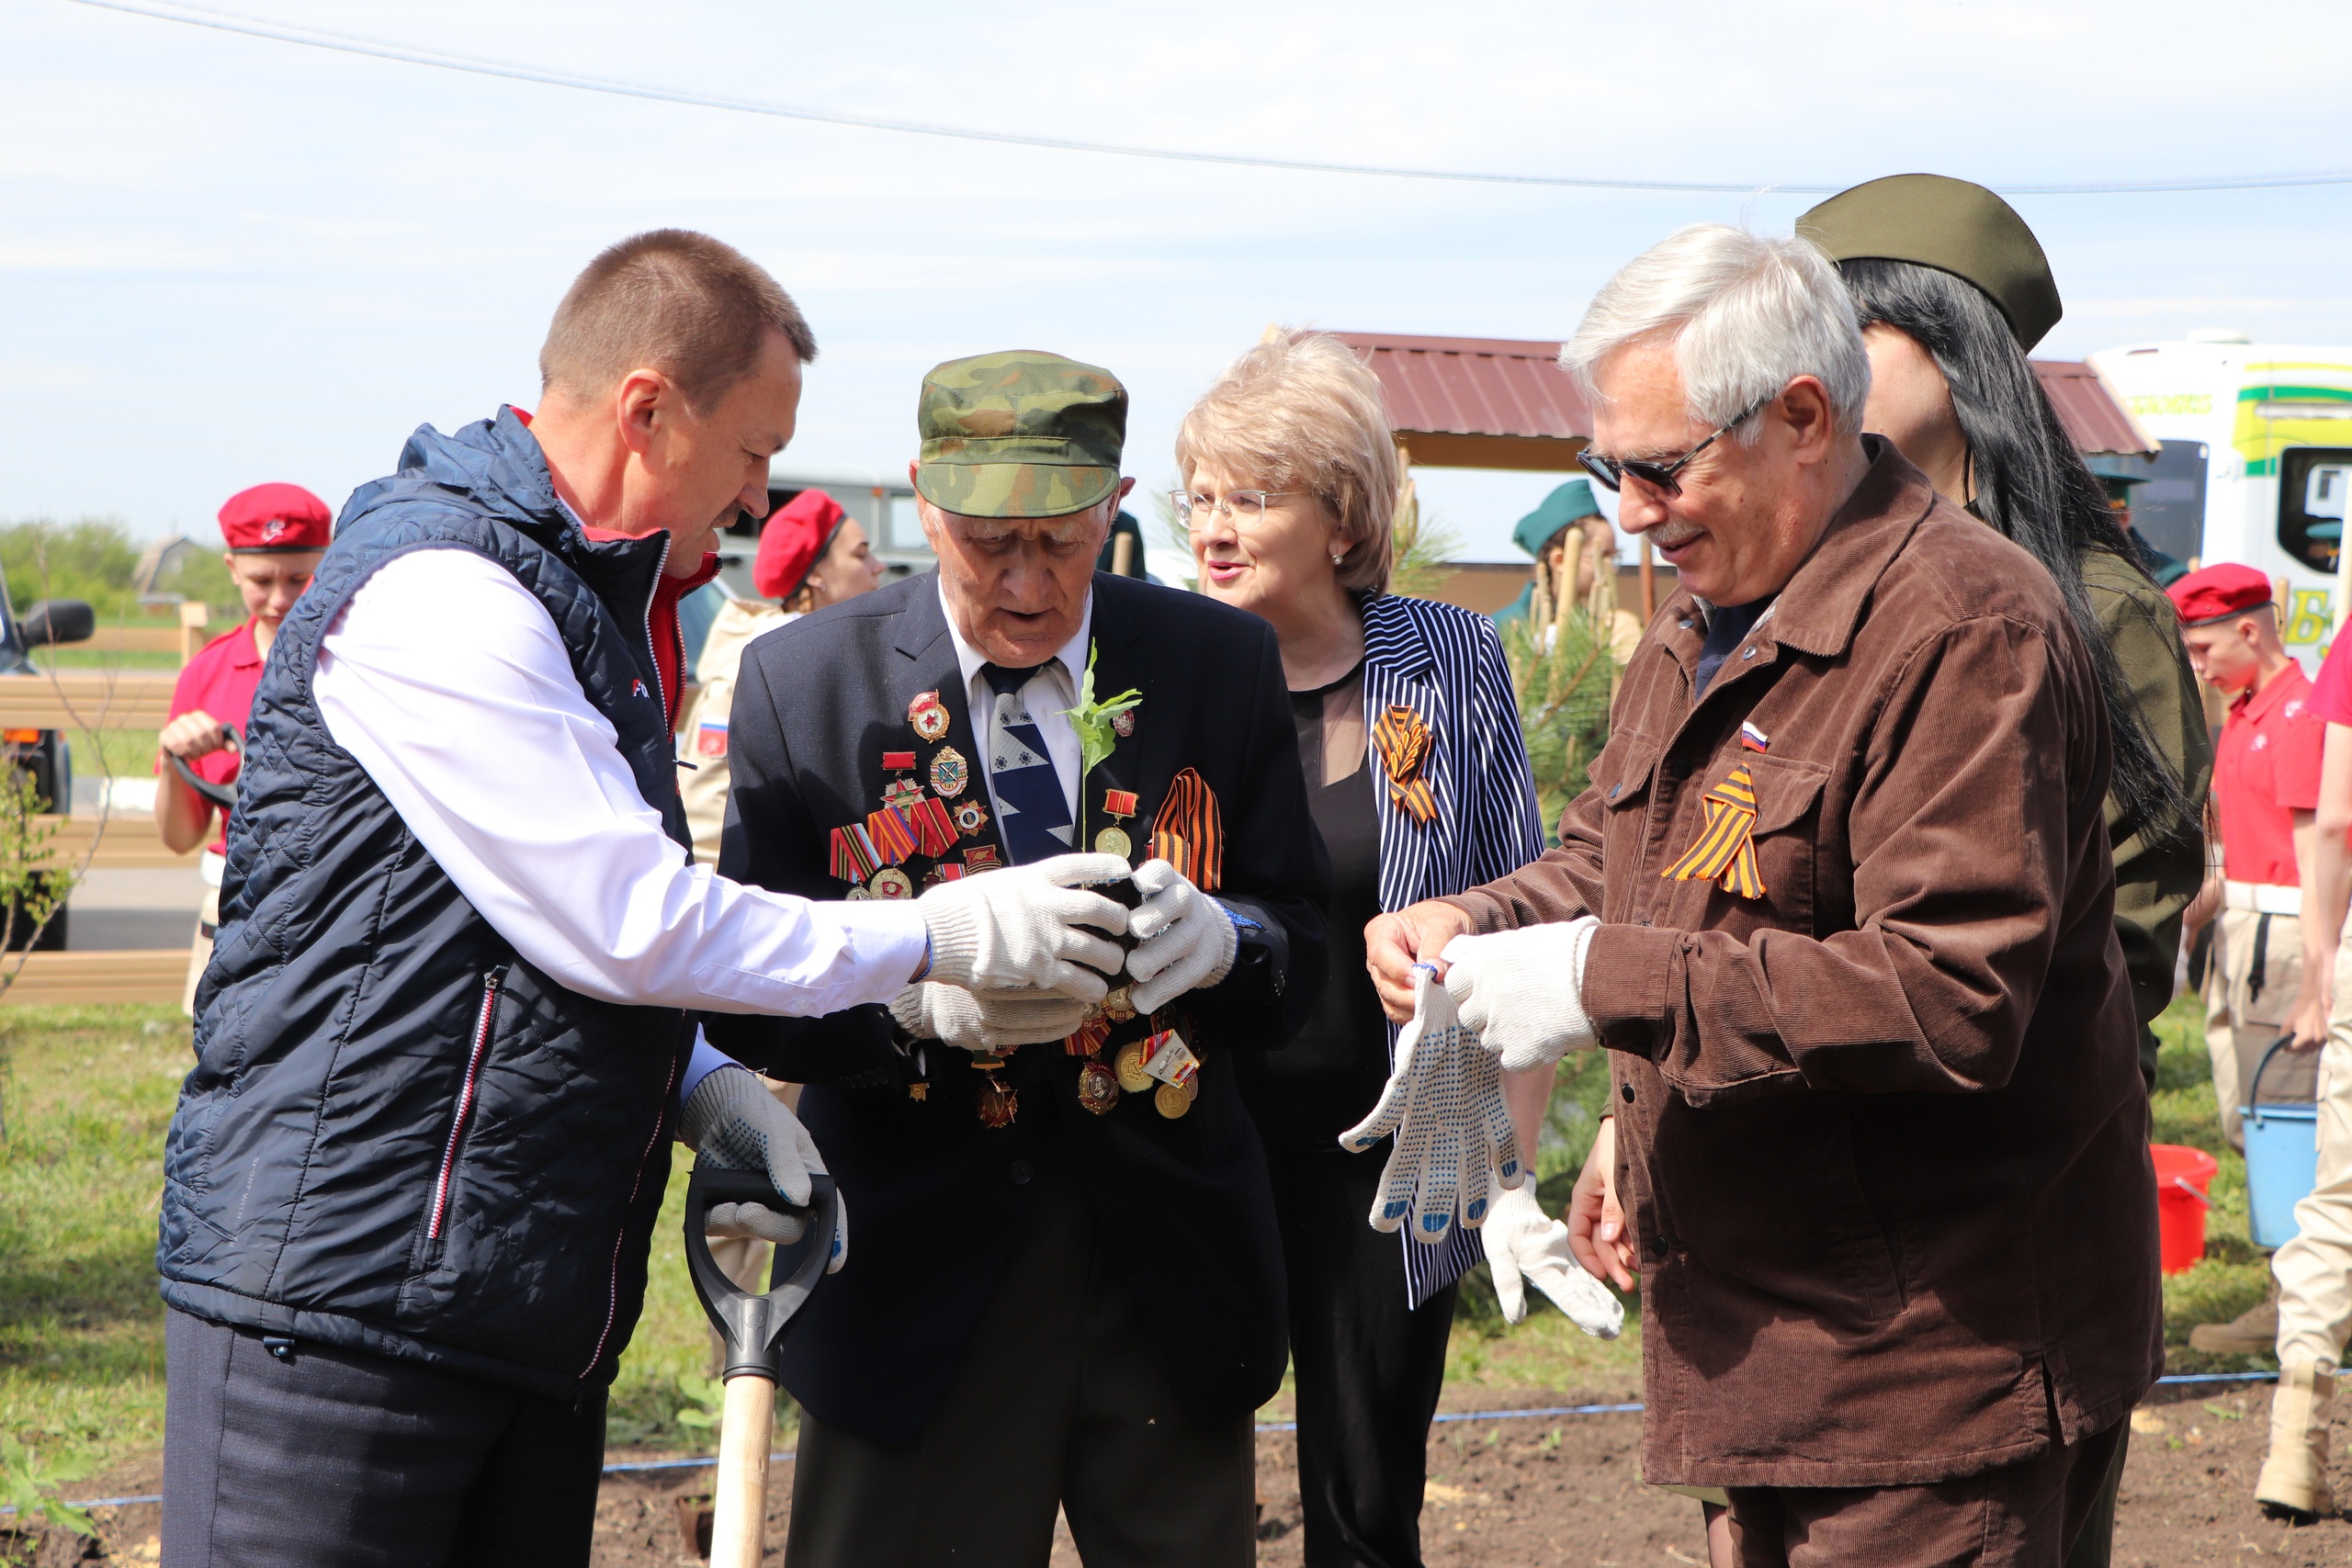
(44, 754)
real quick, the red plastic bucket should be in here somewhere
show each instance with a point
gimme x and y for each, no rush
(2183, 1174)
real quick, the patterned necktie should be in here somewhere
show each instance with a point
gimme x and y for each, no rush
(1031, 809)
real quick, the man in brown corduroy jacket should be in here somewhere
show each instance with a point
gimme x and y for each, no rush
(1839, 905)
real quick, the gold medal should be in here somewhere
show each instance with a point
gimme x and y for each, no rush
(1130, 1068)
(857, 890)
(1118, 1006)
(917, 1090)
(1118, 805)
(1098, 1090)
(1171, 1101)
(892, 883)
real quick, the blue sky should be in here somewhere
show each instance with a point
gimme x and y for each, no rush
(225, 260)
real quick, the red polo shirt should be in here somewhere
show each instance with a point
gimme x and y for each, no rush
(2268, 765)
(220, 680)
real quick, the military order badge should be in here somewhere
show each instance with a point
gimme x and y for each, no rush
(928, 715)
(971, 819)
(950, 772)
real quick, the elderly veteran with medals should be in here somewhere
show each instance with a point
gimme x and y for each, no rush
(1839, 905)
(1067, 1289)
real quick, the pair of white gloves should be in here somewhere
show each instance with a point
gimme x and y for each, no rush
(1509, 1002)
(1017, 956)
(994, 1001)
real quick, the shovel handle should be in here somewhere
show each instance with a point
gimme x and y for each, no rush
(739, 1510)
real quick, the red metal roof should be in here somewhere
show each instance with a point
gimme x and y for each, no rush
(1478, 402)
(2089, 409)
(1506, 403)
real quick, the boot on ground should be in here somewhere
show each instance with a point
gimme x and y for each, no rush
(2293, 1482)
(2254, 1332)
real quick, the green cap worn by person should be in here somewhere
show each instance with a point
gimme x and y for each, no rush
(1969, 232)
(1019, 435)
(1570, 504)
(1952, 226)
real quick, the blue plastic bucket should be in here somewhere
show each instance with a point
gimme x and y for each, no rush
(2281, 1160)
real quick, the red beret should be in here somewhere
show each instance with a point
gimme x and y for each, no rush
(792, 540)
(276, 517)
(2217, 592)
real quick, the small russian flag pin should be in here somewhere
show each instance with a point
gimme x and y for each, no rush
(1753, 740)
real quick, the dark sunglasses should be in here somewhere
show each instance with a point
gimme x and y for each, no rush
(1610, 472)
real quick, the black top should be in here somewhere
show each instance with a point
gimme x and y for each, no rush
(1328, 1078)
(1727, 627)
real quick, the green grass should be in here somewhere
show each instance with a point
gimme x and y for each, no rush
(87, 1093)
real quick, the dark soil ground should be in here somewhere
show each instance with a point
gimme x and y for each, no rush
(1565, 1490)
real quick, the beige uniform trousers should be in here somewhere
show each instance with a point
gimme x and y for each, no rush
(703, 788)
(2315, 1269)
(2244, 1019)
(207, 916)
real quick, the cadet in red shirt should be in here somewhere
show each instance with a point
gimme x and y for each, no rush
(2266, 787)
(275, 534)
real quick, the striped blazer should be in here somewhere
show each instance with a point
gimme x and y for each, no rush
(1446, 664)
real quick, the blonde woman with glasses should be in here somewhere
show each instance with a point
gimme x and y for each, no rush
(1290, 483)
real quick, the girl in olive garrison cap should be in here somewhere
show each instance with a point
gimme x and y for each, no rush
(1953, 291)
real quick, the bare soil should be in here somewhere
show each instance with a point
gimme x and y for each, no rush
(1502, 1494)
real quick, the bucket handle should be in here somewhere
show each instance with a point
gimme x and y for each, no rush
(2254, 1089)
(2182, 1182)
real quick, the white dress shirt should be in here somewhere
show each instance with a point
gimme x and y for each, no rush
(1049, 694)
(445, 678)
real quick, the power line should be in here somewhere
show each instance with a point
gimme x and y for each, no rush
(377, 49)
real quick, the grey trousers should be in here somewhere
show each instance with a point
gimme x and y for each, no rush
(326, 1457)
(1059, 1401)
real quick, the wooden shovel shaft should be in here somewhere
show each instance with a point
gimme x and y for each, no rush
(740, 1513)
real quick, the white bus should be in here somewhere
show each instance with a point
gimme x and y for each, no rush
(2256, 460)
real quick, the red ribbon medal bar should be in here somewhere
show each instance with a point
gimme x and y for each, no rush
(893, 835)
(934, 829)
(854, 856)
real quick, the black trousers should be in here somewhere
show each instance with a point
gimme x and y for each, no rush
(327, 1458)
(1059, 1401)
(1367, 1368)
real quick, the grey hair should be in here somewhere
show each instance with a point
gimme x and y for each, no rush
(1747, 314)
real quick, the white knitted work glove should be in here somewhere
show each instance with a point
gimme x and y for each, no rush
(1524, 1243)
(1523, 992)
(1021, 928)
(985, 1020)
(1445, 1106)
(1184, 940)
(734, 1124)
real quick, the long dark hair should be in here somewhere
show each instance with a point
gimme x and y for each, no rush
(2030, 482)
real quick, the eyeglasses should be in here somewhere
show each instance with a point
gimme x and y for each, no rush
(1611, 471)
(1242, 508)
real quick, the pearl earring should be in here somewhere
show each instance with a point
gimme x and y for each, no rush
(1336, 557)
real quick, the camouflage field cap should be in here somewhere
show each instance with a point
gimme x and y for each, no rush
(1952, 226)
(1019, 435)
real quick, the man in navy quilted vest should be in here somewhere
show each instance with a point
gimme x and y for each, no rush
(448, 1034)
